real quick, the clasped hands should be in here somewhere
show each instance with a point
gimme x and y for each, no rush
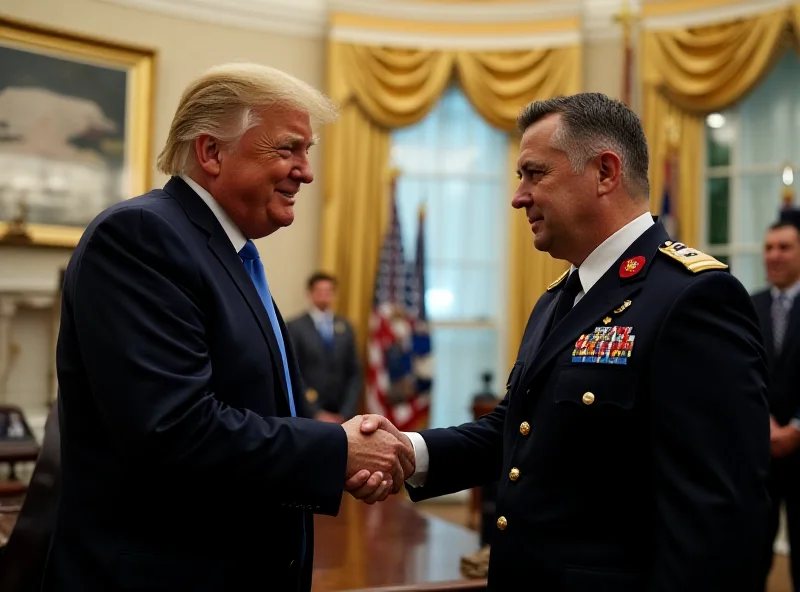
(784, 440)
(379, 458)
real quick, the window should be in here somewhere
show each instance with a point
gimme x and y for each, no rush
(456, 164)
(747, 151)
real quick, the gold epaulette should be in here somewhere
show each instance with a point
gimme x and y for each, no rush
(560, 279)
(692, 259)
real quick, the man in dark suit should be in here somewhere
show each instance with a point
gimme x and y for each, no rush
(632, 445)
(185, 464)
(325, 345)
(779, 314)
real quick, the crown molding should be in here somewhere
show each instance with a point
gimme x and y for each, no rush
(310, 18)
(301, 18)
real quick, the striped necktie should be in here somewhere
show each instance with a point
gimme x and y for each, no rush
(780, 317)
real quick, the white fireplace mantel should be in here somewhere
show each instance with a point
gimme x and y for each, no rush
(29, 305)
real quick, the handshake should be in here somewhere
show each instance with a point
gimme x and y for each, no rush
(380, 458)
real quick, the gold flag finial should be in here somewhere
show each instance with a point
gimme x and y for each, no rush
(626, 18)
(673, 130)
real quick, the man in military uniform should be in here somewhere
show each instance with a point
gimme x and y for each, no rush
(632, 445)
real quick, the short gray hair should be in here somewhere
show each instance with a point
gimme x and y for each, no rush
(224, 102)
(592, 123)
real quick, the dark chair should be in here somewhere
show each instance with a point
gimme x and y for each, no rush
(17, 445)
(24, 557)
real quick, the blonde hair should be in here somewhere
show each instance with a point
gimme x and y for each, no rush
(223, 102)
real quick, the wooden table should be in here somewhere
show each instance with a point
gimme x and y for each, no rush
(390, 547)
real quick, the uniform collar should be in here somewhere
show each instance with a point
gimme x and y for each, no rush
(610, 250)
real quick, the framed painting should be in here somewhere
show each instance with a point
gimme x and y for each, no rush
(75, 130)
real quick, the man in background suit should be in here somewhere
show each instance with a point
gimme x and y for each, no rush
(326, 352)
(779, 313)
(632, 444)
(185, 465)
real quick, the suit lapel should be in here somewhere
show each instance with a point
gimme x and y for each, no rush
(610, 292)
(541, 325)
(337, 335)
(764, 309)
(791, 325)
(220, 245)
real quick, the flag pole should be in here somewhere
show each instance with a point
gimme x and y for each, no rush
(626, 18)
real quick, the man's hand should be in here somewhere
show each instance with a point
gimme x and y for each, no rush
(784, 440)
(329, 417)
(371, 423)
(373, 462)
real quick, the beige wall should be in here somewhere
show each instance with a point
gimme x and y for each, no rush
(184, 48)
(602, 66)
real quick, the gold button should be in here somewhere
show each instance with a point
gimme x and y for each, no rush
(502, 523)
(513, 474)
(588, 398)
(524, 428)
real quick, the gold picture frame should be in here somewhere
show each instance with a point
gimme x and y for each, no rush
(76, 121)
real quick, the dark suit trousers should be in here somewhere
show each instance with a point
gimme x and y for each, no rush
(784, 486)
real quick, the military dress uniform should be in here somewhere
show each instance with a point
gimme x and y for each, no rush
(632, 445)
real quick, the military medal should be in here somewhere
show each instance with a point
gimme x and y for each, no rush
(605, 345)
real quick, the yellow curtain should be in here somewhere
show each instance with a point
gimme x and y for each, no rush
(688, 73)
(381, 88)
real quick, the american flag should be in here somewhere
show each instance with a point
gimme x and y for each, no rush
(398, 346)
(422, 350)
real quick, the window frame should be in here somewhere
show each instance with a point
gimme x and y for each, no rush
(498, 323)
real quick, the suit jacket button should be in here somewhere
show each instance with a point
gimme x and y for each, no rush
(588, 398)
(524, 428)
(502, 523)
(513, 474)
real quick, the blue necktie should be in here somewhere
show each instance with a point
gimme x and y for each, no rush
(252, 263)
(326, 328)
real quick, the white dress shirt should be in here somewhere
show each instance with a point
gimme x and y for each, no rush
(323, 319)
(789, 293)
(596, 265)
(235, 235)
